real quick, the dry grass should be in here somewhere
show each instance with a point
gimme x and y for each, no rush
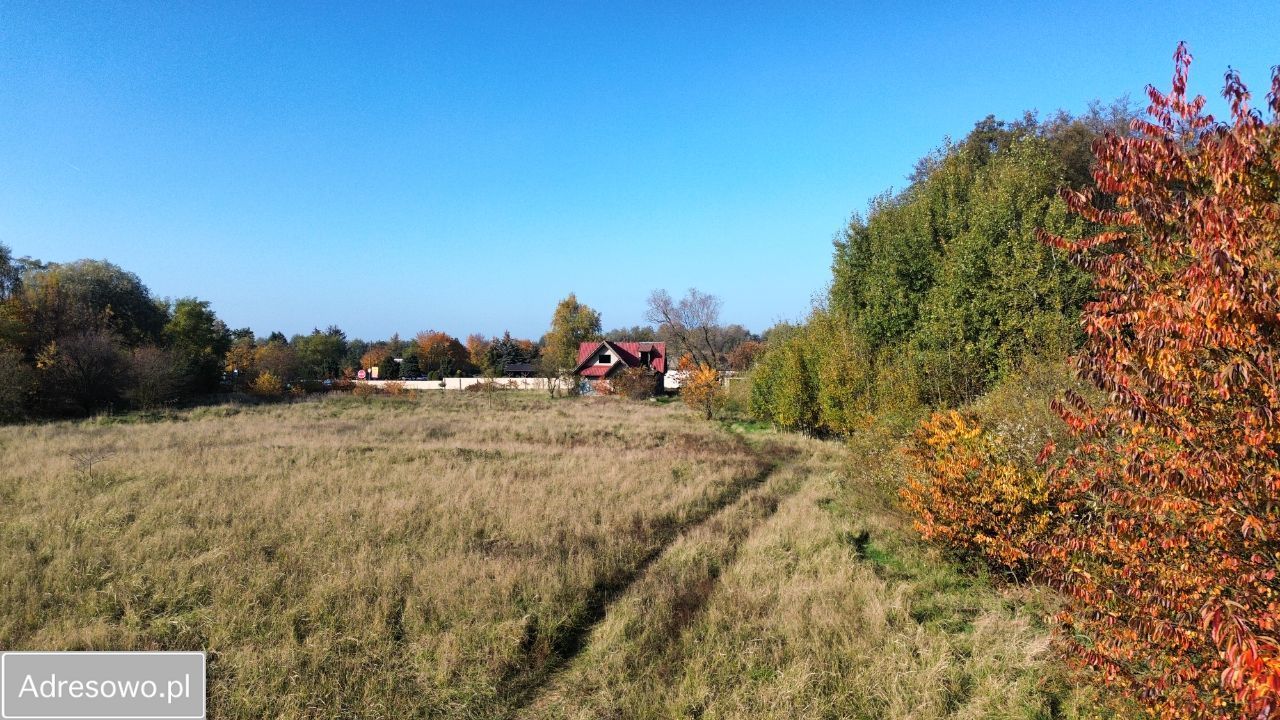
(449, 557)
(809, 598)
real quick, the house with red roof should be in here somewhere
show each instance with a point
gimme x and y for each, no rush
(602, 359)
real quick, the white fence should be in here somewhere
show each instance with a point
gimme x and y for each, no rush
(670, 381)
(515, 383)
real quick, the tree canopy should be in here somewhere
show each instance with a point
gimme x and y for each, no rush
(572, 323)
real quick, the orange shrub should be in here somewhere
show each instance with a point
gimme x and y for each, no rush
(637, 383)
(966, 495)
(700, 387)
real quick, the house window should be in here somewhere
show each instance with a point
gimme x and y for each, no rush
(604, 359)
(646, 358)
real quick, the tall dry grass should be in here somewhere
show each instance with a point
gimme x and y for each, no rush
(379, 558)
(459, 556)
(810, 598)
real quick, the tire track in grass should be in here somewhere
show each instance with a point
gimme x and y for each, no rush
(638, 622)
(522, 682)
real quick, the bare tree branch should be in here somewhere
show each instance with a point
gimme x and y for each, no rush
(694, 321)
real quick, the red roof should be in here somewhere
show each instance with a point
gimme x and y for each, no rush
(627, 353)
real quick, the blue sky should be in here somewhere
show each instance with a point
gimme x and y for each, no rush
(463, 166)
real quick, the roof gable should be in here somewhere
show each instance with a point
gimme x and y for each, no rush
(625, 353)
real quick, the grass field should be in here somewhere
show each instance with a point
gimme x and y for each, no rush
(457, 556)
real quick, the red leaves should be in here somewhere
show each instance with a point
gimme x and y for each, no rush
(1162, 525)
(1182, 460)
(1046, 452)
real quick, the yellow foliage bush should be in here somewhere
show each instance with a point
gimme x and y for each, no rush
(701, 389)
(267, 385)
(967, 494)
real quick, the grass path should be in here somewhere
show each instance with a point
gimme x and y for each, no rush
(664, 593)
(809, 597)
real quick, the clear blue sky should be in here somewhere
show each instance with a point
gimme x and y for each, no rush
(462, 166)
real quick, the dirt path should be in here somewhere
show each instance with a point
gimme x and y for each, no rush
(651, 604)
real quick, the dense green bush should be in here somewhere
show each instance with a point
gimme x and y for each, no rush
(944, 289)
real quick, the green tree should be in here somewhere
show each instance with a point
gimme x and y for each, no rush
(572, 323)
(199, 341)
(506, 351)
(410, 368)
(10, 274)
(943, 288)
(17, 384)
(355, 351)
(88, 296)
(321, 354)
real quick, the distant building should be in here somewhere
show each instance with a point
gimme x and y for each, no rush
(522, 369)
(602, 359)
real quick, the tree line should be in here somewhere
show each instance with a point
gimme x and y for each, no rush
(943, 288)
(1076, 323)
(87, 336)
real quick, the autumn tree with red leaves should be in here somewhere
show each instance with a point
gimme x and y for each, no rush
(1168, 543)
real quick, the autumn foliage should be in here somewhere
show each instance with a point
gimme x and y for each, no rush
(700, 386)
(971, 497)
(267, 385)
(1171, 548)
(1161, 524)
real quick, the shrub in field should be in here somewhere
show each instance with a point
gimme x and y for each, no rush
(267, 385)
(488, 385)
(968, 495)
(1169, 550)
(82, 373)
(364, 390)
(844, 373)
(820, 379)
(312, 387)
(636, 383)
(155, 377)
(784, 388)
(394, 388)
(701, 389)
